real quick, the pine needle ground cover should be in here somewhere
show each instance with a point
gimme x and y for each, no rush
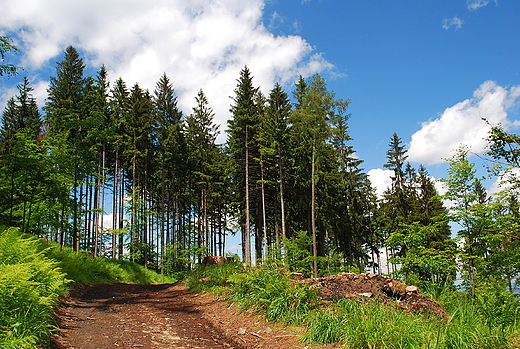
(489, 321)
(34, 275)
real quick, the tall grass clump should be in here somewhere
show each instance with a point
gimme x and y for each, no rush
(30, 286)
(370, 325)
(489, 320)
(269, 290)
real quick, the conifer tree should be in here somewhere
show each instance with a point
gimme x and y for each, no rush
(120, 108)
(241, 135)
(65, 116)
(170, 161)
(21, 158)
(277, 112)
(204, 169)
(400, 198)
(136, 154)
(352, 199)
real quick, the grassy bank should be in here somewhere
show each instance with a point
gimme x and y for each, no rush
(491, 320)
(35, 274)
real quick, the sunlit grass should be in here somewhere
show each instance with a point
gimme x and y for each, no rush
(491, 320)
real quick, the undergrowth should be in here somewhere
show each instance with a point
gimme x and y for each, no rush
(34, 275)
(491, 320)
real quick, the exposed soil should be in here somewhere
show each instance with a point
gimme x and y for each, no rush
(169, 316)
(163, 317)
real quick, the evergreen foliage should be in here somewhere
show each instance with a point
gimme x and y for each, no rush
(288, 181)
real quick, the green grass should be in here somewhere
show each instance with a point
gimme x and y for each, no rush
(34, 275)
(87, 270)
(489, 321)
(213, 278)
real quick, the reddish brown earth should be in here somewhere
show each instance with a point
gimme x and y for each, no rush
(163, 317)
(169, 316)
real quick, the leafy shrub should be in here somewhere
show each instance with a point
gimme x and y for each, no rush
(368, 325)
(33, 276)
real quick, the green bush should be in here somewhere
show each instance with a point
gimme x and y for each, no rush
(370, 325)
(490, 320)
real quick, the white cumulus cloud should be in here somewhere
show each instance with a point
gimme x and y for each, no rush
(198, 43)
(381, 180)
(463, 124)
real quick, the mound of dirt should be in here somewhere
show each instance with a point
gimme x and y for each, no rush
(375, 287)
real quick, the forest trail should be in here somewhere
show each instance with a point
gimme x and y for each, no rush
(160, 316)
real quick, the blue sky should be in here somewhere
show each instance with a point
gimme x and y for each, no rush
(427, 70)
(403, 63)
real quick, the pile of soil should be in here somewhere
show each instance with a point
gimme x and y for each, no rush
(375, 287)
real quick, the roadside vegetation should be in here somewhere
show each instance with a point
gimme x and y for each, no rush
(489, 320)
(35, 274)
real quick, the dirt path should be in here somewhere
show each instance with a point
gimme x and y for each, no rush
(163, 317)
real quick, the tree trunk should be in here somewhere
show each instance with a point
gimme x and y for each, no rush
(264, 219)
(313, 210)
(247, 232)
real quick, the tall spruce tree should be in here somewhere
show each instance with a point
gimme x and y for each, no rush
(204, 153)
(120, 108)
(169, 158)
(137, 159)
(241, 136)
(400, 198)
(65, 115)
(352, 198)
(273, 138)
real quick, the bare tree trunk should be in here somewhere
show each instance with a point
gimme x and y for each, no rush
(313, 210)
(282, 201)
(134, 213)
(264, 219)
(115, 206)
(163, 217)
(102, 205)
(247, 231)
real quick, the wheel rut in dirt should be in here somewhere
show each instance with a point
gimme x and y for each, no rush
(159, 316)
